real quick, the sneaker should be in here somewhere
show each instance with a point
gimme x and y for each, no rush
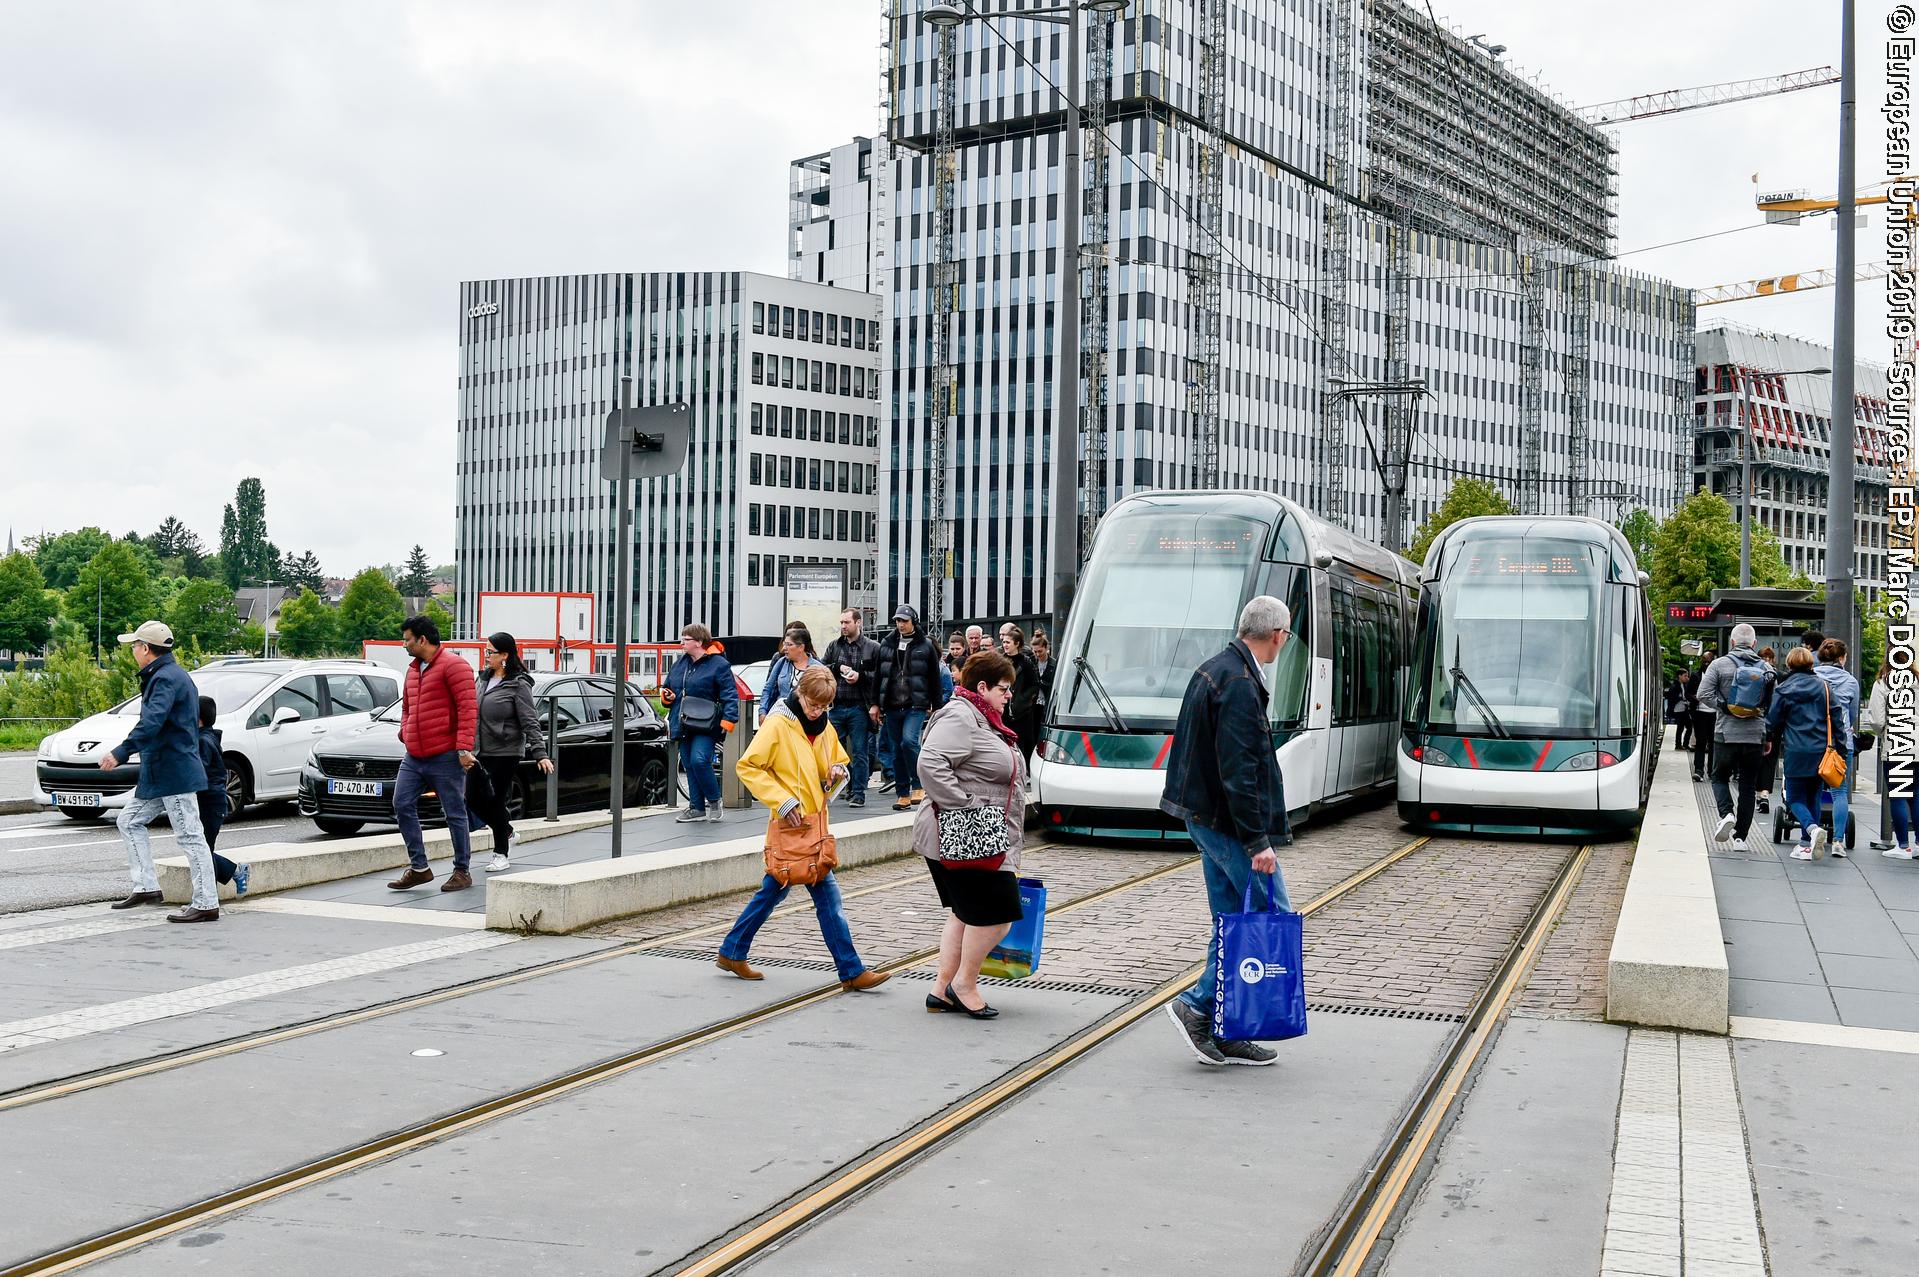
(1800, 853)
(1819, 839)
(1838, 850)
(242, 877)
(1193, 1032)
(692, 815)
(1897, 853)
(1765, 804)
(1739, 844)
(715, 815)
(1246, 1053)
(1724, 827)
(499, 862)
(857, 800)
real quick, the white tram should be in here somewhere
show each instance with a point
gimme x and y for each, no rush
(1161, 593)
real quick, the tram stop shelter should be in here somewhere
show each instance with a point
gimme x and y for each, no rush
(1778, 617)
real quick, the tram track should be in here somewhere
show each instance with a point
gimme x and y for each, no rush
(1347, 1246)
(372, 1151)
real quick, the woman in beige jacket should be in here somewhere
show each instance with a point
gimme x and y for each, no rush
(970, 758)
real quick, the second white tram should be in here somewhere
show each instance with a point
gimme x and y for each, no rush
(1161, 593)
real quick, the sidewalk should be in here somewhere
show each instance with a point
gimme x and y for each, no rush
(1833, 941)
(16, 782)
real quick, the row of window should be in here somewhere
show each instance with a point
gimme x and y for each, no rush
(814, 375)
(787, 422)
(770, 569)
(834, 330)
(811, 474)
(811, 523)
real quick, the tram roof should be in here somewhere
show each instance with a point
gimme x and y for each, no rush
(1323, 539)
(1563, 527)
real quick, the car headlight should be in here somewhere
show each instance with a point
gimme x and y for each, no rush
(46, 747)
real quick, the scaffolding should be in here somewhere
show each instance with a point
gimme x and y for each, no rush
(1336, 258)
(944, 301)
(1579, 284)
(1205, 257)
(1532, 359)
(1095, 282)
(1399, 408)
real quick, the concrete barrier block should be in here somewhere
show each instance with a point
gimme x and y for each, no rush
(282, 866)
(1667, 967)
(567, 898)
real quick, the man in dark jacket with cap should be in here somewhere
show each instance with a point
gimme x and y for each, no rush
(909, 688)
(167, 739)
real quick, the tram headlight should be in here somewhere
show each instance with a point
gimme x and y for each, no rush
(1052, 751)
(1432, 756)
(1590, 760)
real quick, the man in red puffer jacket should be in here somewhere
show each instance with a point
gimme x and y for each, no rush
(438, 717)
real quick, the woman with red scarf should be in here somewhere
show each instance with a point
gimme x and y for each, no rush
(970, 828)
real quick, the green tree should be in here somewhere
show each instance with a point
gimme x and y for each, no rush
(416, 579)
(1467, 499)
(245, 553)
(1641, 530)
(113, 594)
(302, 572)
(61, 557)
(178, 548)
(253, 638)
(308, 627)
(441, 615)
(1697, 552)
(371, 609)
(203, 613)
(26, 609)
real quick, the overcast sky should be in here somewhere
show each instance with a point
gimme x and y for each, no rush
(232, 233)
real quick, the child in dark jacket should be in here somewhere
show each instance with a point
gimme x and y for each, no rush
(213, 799)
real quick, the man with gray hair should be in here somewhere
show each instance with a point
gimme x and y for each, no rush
(1222, 780)
(1737, 688)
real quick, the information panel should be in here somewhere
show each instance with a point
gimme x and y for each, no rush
(815, 597)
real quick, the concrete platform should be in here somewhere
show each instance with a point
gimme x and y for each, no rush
(1667, 967)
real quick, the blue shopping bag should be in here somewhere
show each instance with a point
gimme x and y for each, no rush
(1259, 986)
(1017, 956)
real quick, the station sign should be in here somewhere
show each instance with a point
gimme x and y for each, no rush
(1698, 614)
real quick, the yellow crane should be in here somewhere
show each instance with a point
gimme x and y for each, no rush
(1792, 206)
(1779, 285)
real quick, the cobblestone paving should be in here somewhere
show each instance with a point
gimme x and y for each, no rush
(1569, 982)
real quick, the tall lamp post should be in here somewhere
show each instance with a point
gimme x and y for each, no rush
(1065, 547)
(1840, 619)
(1745, 465)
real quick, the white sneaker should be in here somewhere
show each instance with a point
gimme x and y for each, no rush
(1739, 844)
(1800, 853)
(1726, 823)
(1897, 853)
(498, 863)
(715, 815)
(1838, 850)
(1819, 837)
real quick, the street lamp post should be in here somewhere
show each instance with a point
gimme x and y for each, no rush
(1745, 466)
(1839, 491)
(1065, 547)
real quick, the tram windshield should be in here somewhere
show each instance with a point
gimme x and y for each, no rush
(1514, 649)
(1162, 595)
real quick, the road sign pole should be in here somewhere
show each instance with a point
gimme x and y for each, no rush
(622, 605)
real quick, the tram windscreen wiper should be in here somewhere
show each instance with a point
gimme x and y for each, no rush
(1465, 685)
(1099, 694)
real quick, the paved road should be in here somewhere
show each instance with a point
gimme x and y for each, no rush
(47, 859)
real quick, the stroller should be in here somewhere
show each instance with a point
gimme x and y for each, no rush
(1783, 822)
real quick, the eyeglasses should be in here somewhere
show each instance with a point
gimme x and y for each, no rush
(1004, 687)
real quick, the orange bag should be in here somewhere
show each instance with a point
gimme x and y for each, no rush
(1832, 767)
(800, 857)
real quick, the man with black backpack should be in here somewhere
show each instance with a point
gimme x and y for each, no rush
(1737, 688)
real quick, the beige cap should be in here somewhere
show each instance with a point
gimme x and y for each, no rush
(152, 633)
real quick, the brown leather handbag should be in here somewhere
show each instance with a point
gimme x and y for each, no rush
(1832, 766)
(800, 857)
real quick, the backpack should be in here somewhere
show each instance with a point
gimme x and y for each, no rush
(1747, 696)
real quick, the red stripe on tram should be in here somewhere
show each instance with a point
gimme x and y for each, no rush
(1542, 756)
(1092, 759)
(1470, 756)
(1164, 750)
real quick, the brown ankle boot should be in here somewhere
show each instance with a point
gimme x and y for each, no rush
(738, 967)
(866, 980)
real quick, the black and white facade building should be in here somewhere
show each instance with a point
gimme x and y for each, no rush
(781, 379)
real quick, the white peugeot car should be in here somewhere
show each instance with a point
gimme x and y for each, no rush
(271, 715)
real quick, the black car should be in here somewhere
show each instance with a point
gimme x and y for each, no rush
(348, 782)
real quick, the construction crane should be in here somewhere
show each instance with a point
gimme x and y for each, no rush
(1779, 285)
(1792, 206)
(1647, 105)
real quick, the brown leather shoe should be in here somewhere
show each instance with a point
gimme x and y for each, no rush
(866, 981)
(190, 914)
(904, 804)
(411, 878)
(738, 967)
(137, 898)
(458, 880)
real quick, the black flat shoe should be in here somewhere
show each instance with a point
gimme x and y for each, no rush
(936, 1003)
(984, 1013)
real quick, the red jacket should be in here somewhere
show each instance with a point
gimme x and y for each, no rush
(440, 712)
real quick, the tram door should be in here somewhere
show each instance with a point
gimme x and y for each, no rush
(1366, 650)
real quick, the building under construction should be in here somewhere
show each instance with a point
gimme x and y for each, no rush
(1294, 211)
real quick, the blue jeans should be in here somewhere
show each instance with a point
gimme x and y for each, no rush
(1228, 866)
(448, 779)
(826, 906)
(696, 764)
(850, 723)
(1905, 815)
(903, 728)
(1802, 797)
(183, 813)
(1842, 804)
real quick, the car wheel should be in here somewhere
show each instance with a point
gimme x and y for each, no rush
(86, 815)
(344, 828)
(651, 787)
(239, 785)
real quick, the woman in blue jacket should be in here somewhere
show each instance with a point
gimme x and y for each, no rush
(703, 704)
(1803, 717)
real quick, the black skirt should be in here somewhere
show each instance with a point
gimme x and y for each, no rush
(977, 897)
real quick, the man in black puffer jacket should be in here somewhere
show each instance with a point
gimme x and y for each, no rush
(909, 688)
